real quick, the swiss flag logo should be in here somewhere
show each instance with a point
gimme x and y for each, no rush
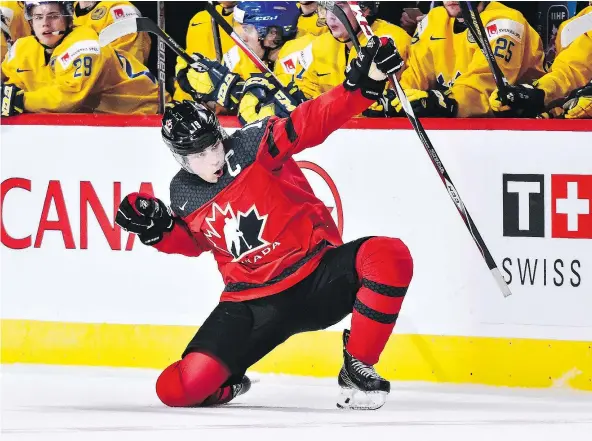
(118, 13)
(492, 30)
(571, 199)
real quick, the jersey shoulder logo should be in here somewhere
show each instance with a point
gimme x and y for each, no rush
(98, 13)
(237, 234)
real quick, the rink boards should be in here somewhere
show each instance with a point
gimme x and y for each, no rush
(77, 290)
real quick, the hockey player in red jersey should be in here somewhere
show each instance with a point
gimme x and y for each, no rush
(283, 262)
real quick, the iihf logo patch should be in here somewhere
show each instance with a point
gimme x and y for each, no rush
(237, 234)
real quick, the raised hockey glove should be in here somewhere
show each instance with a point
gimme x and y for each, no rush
(207, 80)
(146, 216)
(12, 100)
(368, 71)
(579, 104)
(261, 98)
(523, 100)
(430, 103)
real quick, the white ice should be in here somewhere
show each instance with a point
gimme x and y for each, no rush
(87, 404)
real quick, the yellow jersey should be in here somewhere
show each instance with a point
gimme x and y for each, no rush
(80, 76)
(238, 63)
(200, 39)
(288, 58)
(572, 67)
(14, 25)
(307, 24)
(105, 13)
(285, 66)
(441, 58)
(322, 64)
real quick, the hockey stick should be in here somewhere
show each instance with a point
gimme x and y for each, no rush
(475, 24)
(161, 64)
(241, 44)
(217, 42)
(454, 195)
(143, 24)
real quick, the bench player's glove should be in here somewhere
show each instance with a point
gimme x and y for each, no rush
(430, 103)
(12, 100)
(368, 71)
(207, 80)
(146, 216)
(261, 98)
(523, 100)
(579, 104)
(384, 107)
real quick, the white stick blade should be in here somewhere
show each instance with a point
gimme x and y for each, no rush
(117, 30)
(503, 286)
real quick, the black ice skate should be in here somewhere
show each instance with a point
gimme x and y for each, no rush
(361, 387)
(226, 394)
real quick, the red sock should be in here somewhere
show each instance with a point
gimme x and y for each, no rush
(190, 381)
(385, 268)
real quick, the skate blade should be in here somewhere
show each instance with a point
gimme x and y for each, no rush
(358, 400)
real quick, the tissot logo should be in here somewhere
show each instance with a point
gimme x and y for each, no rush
(524, 206)
(531, 200)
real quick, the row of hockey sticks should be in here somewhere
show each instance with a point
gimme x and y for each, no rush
(421, 133)
(143, 24)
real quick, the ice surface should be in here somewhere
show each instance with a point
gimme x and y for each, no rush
(86, 404)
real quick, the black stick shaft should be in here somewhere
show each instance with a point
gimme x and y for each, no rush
(454, 195)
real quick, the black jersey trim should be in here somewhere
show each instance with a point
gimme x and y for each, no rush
(242, 286)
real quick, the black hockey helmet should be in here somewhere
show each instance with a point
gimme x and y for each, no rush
(370, 10)
(189, 127)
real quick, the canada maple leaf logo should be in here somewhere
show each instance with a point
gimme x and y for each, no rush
(237, 234)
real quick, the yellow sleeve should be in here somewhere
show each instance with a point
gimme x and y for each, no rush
(558, 39)
(3, 46)
(472, 89)
(571, 70)
(200, 37)
(136, 44)
(77, 68)
(11, 63)
(419, 63)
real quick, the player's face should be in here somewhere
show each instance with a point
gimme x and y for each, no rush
(208, 164)
(336, 27)
(453, 8)
(47, 19)
(249, 35)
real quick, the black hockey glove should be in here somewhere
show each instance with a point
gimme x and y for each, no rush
(384, 107)
(261, 98)
(12, 100)
(368, 71)
(207, 80)
(146, 216)
(524, 100)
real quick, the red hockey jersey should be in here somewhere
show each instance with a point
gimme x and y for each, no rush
(266, 228)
